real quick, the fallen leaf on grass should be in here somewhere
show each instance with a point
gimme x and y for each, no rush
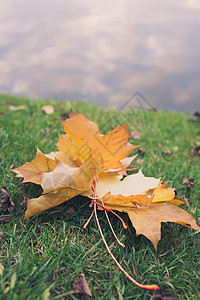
(81, 286)
(190, 183)
(91, 164)
(145, 200)
(48, 109)
(6, 205)
(32, 171)
(148, 221)
(106, 149)
(83, 154)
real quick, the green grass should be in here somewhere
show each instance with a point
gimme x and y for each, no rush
(46, 253)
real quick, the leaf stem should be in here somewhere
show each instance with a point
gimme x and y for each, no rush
(110, 210)
(88, 221)
(121, 244)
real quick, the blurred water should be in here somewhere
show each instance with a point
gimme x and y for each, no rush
(102, 51)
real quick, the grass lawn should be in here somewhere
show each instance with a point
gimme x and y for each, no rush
(43, 255)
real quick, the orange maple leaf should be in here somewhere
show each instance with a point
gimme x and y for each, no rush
(91, 164)
(83, 154)
(145, 200)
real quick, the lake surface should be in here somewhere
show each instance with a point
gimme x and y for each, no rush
(102, 51)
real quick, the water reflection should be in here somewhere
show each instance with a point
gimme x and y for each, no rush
(102, 51)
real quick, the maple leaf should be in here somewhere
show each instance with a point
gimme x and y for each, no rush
(91, 164)
(148, 221)
(32, 171)
(83, 154)
(146, 201)
(84, 139)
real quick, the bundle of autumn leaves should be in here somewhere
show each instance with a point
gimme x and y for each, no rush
(84, 155)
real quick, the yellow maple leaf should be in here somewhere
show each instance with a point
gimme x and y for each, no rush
(145, 200)
(32, 171)
(84, 139)
(91, 164)
(83, 154)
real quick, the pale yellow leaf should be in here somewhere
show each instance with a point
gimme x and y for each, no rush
(48, 109)
(136, 184)
(64, 176)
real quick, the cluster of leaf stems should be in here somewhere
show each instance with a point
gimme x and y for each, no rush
(153, 287)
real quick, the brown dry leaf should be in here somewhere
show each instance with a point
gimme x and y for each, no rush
(81, 286)
(190, 182)
(48, 109)
(43, 163)
(6, 205)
